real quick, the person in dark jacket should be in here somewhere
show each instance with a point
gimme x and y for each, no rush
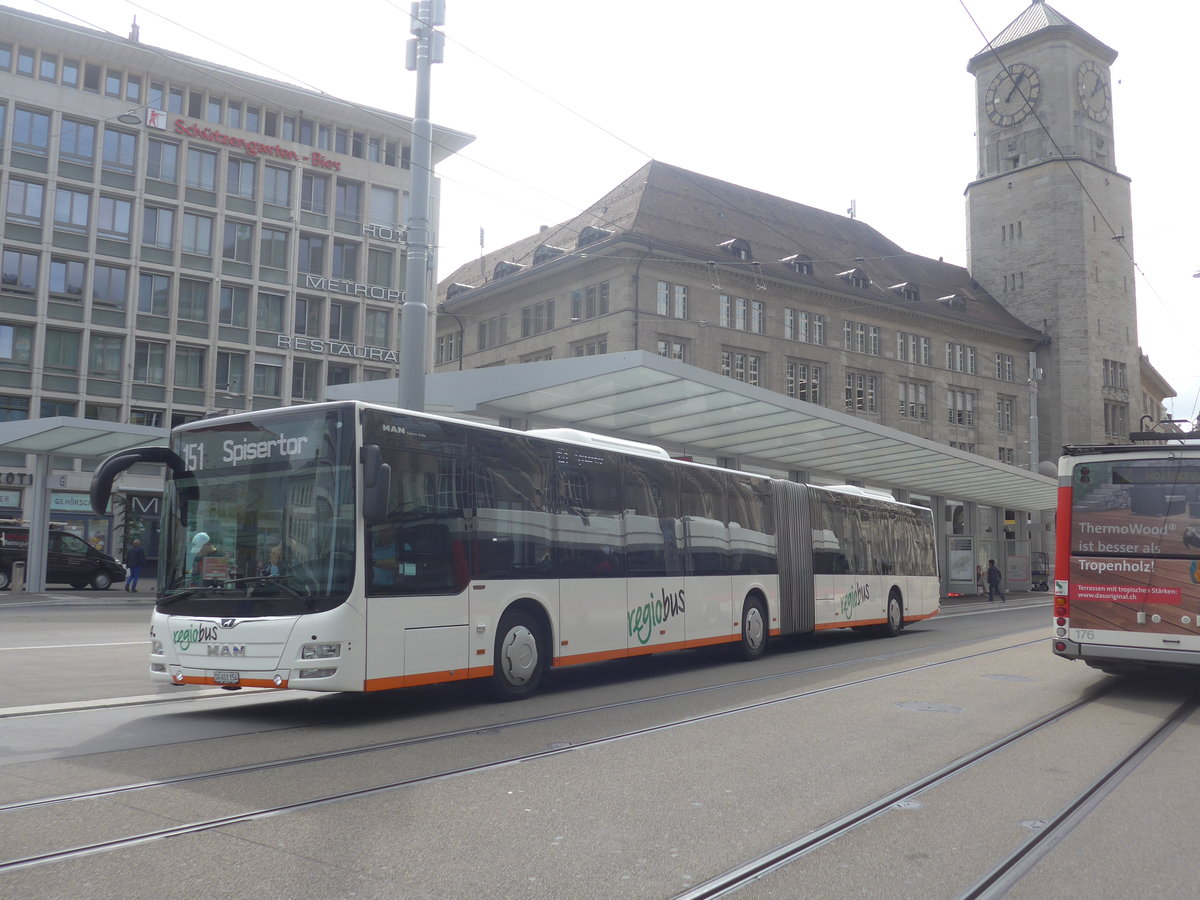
(134, 559)
(993, 580)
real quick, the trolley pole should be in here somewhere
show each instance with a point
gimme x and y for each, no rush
(423, 50)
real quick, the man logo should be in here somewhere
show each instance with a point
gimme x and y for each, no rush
(228, 623)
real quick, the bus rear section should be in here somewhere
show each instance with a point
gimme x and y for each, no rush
(1127, 569)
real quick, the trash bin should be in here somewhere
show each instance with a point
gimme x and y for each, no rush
(18, 576)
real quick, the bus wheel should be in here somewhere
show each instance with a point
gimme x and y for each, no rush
(895, 615)
(754, 629)
(520, 657)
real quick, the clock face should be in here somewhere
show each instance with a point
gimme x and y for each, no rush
(1012, 94)
(1093, 90)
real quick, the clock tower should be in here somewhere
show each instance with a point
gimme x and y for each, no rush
(1049, 223)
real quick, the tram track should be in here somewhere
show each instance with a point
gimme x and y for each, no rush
(215, 822)
(1004, 874)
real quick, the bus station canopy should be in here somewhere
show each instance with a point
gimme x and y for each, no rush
(68, 436)
(643, 397)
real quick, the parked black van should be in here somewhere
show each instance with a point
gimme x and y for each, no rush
(69, 559)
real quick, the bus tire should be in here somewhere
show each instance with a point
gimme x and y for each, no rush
(894, 623)
(520, 656)
(753, 643)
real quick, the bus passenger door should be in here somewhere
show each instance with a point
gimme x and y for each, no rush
(657, 601)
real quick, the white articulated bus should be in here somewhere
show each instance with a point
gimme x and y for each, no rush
(1127, 561)
(350, 547)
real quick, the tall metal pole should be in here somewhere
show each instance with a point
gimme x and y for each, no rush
(1034, 377)
(423, 50)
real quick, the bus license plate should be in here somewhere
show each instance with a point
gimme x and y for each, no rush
(226, 677)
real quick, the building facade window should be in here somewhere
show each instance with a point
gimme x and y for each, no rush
(960, 407)
(672, 300)
(671, 349)
(914, 401)
(377, 328)
(913, 348)
(238, 244)
(493, 332)
(106, 354)
(149, 362)
(113, 216)
(308, 316)
(312, 254)
(803, 381)
(268, 376)
(16, 345)
(193, 299)
(158, 227)
(342, 321)
(277, 186)
(860, 338)
(1004, 413)
(537, 318)
(741, 366)
(269, 316)
(447, 347)
(61, 350)
(314, 193)
(201, 169)
(960, 358)
(272, 248)
(1116, 420)
(19, 271)
(1114, 375)
(1006, 455)
(162, 161)
(1004, 366)
(31, 131)
(348, 201)
(25, 200)
(862, 392)
(593, 347)
(67, 277)
(109, 285)
(801, 325)
(197, 234)
(120, 151)
(306, 379)
(345, 260)
(72, 210)
(589, 302)
(154, 294)
(77, 141)
(234, 305)
(189, 367)
(240, 177)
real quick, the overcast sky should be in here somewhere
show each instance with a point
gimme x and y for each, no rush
(822, 103)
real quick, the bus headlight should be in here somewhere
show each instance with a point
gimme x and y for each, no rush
(317, 673)
(320, 651)
(156, 648)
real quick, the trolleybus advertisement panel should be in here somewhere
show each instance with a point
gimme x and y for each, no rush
(1135, 545)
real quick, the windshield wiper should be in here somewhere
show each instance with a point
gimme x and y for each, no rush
(182, 595)
(269, 579)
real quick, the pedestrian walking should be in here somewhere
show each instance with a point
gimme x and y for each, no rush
(993, 580)
(134, 559)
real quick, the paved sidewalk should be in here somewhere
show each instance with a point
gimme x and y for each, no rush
(69, 596)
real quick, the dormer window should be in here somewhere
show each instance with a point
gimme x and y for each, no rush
(738, 248)
(545, 252)
(455, 289)
(589, 234)
(801, 265)
(907, 289)
(855, 278)
(953, 301)
(504, 269)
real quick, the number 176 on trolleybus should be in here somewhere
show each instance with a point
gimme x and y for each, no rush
(351, 547)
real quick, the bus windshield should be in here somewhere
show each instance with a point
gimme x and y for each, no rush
(262, 524)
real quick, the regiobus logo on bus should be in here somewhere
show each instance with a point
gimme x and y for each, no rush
(854, 598)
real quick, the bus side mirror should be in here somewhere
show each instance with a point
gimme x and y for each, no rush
(377, 485)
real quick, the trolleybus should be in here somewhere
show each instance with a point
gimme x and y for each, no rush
(1127, 566)
(351, 547)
